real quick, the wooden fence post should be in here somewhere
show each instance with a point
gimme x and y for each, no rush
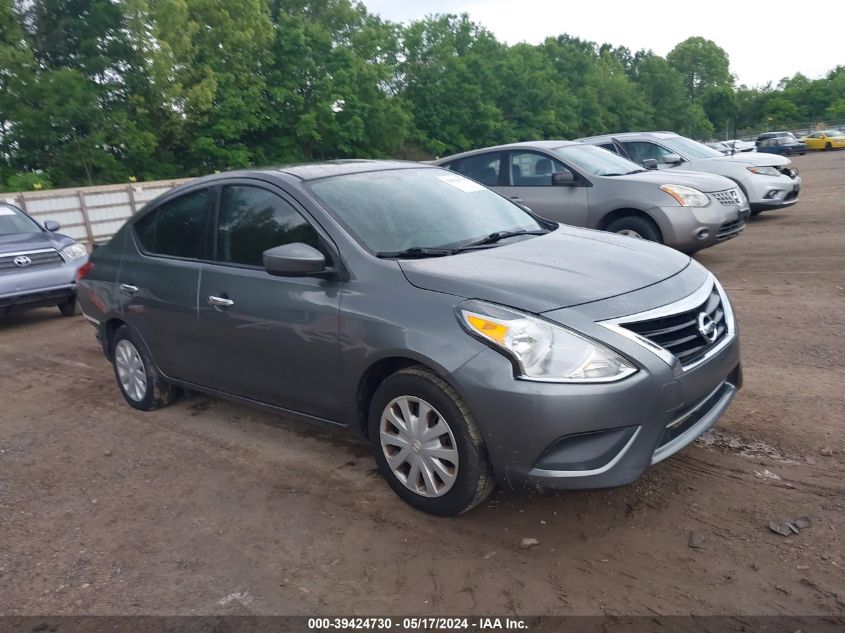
(84, 208)
(131, 191)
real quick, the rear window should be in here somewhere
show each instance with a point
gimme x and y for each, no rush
(176, 228)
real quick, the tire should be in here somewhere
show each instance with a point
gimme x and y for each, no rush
(68, 308)
(142, 384)
(828, 146)
(472, 476)
(636, 226)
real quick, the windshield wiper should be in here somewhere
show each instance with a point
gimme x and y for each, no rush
(416, 252)
(498, 236)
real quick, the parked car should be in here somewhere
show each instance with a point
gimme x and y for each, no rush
(782, 145)
(767, 180)
(471, 341)
(37, 265)
(826, 139)
(741, 146)
(583, 185)
(722, 148)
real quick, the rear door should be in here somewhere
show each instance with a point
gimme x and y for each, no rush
(277, 339)
(528, 180)
(159, 276)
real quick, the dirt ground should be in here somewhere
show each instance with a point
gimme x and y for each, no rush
(212, 508)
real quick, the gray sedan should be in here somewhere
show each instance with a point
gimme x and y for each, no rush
(470, 341)
(583, 185)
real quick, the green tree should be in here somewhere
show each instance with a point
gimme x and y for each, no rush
(702, 63)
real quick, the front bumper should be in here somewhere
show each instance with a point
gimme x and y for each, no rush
(772, 192)
(691, 229)
(38, 287)
(568, 436)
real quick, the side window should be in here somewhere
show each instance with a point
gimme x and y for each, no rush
(483, 167)
(610, 147)
(177, 227)
(641, 150)
(254, 219)
(529, 169)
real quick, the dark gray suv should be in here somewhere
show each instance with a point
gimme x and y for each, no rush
(472, 342)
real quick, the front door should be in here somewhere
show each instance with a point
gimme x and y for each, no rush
(270, 339)
(528, 180)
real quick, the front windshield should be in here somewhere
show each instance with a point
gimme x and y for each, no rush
(395, 210)
(596, 161)
(13, 221)
(789, 137)
(689, 148)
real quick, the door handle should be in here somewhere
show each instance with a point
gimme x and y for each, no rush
(220, 302)
(128, 289)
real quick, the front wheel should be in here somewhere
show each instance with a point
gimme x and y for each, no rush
(68, 308)
(828, 146)
(427, 445)
(139, 380)
(636, 226)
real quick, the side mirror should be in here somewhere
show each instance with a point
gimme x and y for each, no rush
(294, 260)
(650, 163)
(563, 179)
(672, 159)
(52, 226)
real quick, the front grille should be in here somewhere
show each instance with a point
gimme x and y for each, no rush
(729, 197)
(680, 334)
(730, 229)
(38, 259)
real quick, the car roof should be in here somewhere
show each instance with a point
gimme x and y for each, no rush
(309, 171)
(542, 144)
(624, 135)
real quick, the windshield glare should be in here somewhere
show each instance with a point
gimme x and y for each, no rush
(596, 160)
(394, 210)
(689, 148)
(13, 221)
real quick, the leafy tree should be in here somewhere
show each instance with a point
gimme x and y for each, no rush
(702, 63)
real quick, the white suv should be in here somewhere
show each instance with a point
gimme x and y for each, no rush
(768, 181)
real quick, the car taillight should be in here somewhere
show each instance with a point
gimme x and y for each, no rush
(83, 270)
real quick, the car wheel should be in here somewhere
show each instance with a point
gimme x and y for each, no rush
(636, 226)
(137, 377)
(68, 308)
(828, 146)
(427, 444)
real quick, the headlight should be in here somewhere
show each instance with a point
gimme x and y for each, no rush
(686, 196)
(763, 171)
(541, 350)
(74, 251)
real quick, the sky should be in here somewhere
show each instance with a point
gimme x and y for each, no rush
(753, 33)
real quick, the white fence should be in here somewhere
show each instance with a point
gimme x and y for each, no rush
(89, 214)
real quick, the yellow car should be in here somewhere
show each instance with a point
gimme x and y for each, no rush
(825, 139)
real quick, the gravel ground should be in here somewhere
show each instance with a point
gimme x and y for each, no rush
(207, 507)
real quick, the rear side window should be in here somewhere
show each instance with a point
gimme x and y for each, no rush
(254, 219)
(177, 227)
(483, 168)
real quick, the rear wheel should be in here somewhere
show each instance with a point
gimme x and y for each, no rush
(636, 226)
(828, 146)
(427, 445)
(68, 308)
(137, 377)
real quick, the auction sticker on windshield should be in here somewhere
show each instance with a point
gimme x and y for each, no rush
(459, 182)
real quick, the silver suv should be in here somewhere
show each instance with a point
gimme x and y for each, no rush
(37, 265)
(768, 181)
(586, 186)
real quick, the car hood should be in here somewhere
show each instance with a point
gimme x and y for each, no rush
(754, 158)
(16, 242)
(567, 267)
(698, 180)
